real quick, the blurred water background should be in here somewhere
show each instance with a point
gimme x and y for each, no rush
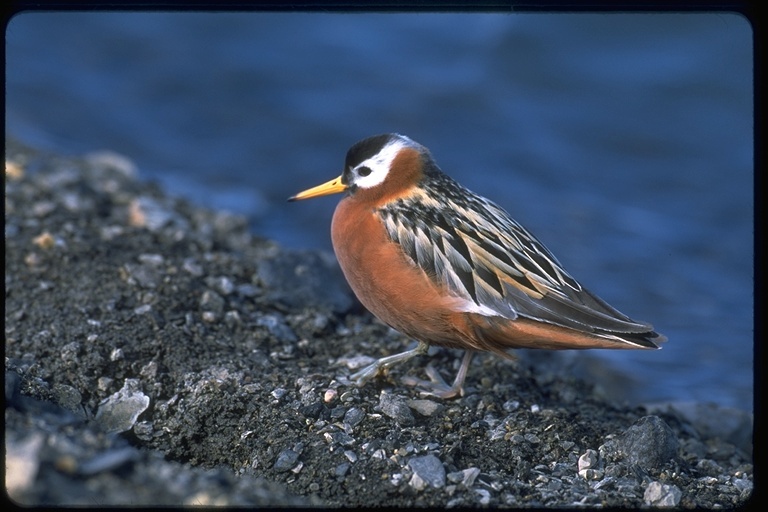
(623, 141)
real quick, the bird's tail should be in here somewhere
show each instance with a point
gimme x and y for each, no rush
(499, 334)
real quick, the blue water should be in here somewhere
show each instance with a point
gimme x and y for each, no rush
(623, 141)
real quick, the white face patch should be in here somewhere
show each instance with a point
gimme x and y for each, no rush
(379, 164)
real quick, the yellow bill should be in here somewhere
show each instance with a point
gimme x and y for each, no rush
(331, 187)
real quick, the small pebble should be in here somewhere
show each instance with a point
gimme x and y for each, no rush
(426, 408)
(588, 460)
(466, 477)
(104, 383)
(154, 260)
(510, 405)
(532, 438)
(119, 412)
(343, 438)
(116, 354)
(44, 240)
(277, 327)
(212, 301)
(222, 284)
(193, 267)
(278, 393)
(484, 495)
(146, 212)
(396, 408)
(354, 416)
(142, 310)
(342, 469)
(743, 484)
(286, 460)
(427, 470)
(662, 495)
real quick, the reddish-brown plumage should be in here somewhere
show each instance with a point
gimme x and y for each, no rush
(401, 295)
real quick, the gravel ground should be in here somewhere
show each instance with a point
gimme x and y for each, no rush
(160, 353)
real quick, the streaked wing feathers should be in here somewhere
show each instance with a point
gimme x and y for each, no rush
(474, 248)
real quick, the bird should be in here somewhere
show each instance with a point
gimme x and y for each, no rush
(448, 267)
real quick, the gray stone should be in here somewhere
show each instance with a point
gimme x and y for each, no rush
(425, 407)
(222, 284)
(427, 470)
(152, 214)
(354, 416)
(662, 495)
(212, 301)
(277, 327)
(145, 276)
(119, 412)
(743, 484)
(466, 477)
(286, 460)
(649, 443)
(396, 408)
(588, 460)
(342, 469)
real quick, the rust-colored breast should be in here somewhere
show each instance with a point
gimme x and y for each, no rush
(385, 281)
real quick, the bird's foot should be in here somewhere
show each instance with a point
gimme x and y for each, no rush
(436, 385)
(373, 369)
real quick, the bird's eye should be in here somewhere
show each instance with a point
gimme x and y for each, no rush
(363, 171)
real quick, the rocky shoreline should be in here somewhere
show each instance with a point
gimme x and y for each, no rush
(158, 353)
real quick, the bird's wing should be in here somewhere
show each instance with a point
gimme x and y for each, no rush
(475, 249)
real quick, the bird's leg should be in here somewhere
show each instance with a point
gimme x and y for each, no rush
(436, 386)
(374, 368)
